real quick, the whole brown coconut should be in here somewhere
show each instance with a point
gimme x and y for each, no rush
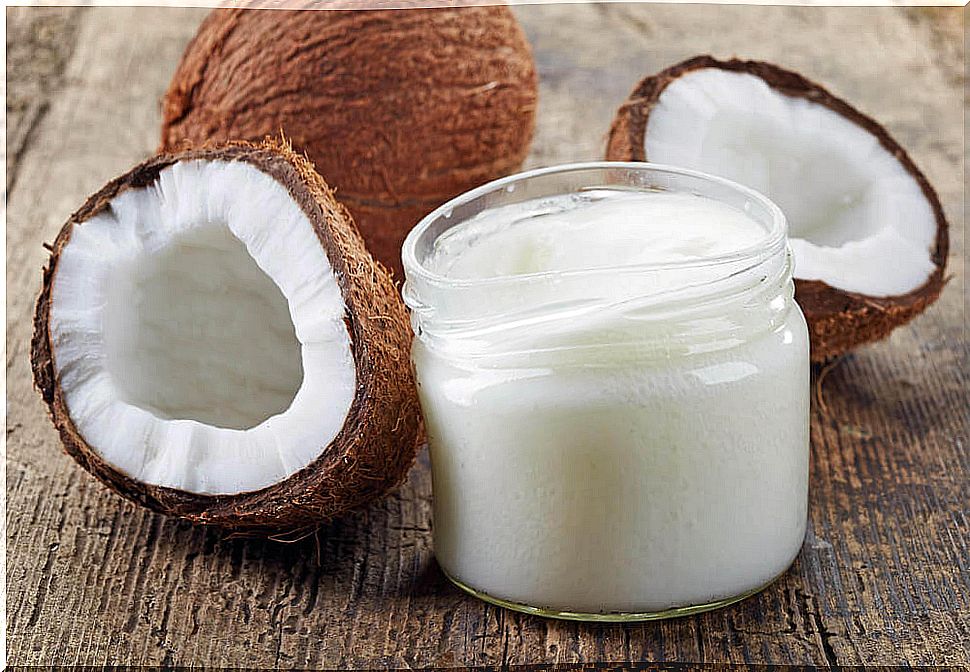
(187, 441)
(839, 317)
(400, 110)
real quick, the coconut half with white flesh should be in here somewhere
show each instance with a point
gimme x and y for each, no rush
(867, 230)
(214, 342)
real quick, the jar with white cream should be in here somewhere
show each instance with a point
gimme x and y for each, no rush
(614, 377)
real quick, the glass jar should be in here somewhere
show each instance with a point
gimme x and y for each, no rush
(623, 442)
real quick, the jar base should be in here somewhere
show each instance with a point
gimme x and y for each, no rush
(610, 617)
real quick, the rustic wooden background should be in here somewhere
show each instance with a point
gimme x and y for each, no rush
(884, 576)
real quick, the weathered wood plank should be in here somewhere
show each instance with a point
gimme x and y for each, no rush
(883, 578)
(39, 43)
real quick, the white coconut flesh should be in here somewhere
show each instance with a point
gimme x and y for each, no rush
(198, 332)
(857, 219)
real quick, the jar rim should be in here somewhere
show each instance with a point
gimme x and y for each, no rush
(774, 241)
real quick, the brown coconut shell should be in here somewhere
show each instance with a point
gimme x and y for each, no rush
(377, 444)
(401, 110)
(838, 321)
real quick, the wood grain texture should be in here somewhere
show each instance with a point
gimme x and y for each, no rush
(883, 577)
(39, 43)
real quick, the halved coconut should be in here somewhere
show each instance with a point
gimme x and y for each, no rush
(867, 230)
(214, 342)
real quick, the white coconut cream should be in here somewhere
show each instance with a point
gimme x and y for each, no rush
(614, 377)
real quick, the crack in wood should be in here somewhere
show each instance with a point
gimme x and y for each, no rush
(40, 596)
(808, 608)
(21, 142)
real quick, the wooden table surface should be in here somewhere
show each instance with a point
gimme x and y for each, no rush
(884, 574)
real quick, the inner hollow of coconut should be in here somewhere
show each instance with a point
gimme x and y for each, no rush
(857, 219)
(198, 332)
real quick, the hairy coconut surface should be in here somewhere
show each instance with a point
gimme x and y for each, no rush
(399, 110)
(867, 229)
(214, 342)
